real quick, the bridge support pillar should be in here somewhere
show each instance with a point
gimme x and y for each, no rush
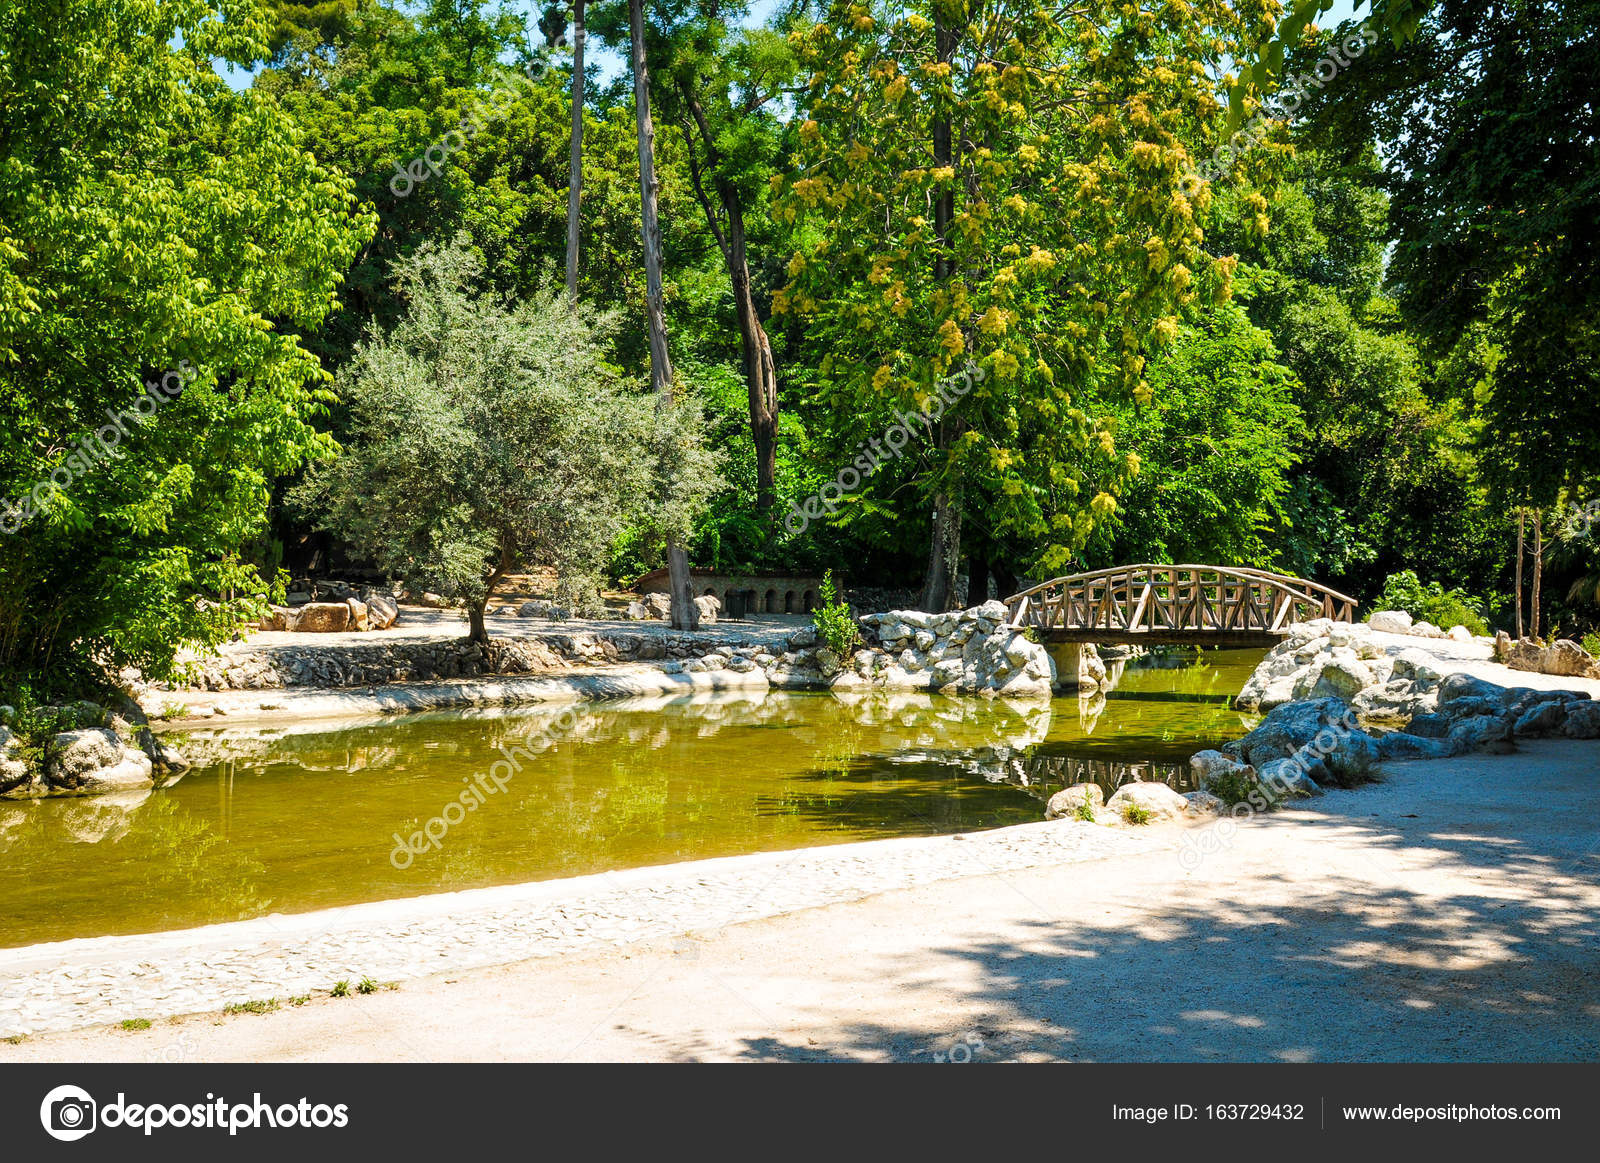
(1068, 657)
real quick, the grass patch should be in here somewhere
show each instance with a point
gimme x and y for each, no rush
(131, 1024)
(340, 989)
(1136, 813)
(16, 1039)
(264, 1006)
(301, 1000)
(366, 985)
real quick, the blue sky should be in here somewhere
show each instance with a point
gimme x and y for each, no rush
(612, 64)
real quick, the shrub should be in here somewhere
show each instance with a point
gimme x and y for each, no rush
(1136, 813)
(836, 626)
(1431, 602)
(1234, 787)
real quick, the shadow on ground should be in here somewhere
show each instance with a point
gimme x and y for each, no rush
(1349, 969)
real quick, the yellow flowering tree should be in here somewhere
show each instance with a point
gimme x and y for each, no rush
(1011, 184)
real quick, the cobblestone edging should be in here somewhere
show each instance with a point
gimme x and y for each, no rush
(72, 984)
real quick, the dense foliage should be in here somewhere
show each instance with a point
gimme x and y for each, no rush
(164, 241)
(1361, 347)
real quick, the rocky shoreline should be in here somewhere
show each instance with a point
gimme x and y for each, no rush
(1341, 699)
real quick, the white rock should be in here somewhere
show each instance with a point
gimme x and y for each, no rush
(1068, 802)
(1155, 798)
(1390, 622)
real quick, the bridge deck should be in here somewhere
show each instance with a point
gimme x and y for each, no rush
(1199, 605)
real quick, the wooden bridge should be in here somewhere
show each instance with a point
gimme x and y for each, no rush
(1197, 605)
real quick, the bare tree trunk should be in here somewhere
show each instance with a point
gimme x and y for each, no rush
(944, 543)
(477, 631)
(944, 556)
(684, 614)
(761, 375)
(575, 169)
(1522, 517)
(1538, 566)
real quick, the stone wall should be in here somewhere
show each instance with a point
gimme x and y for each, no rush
(962, 652)
(754, 595)
(341, 665)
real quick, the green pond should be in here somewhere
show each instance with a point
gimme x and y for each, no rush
(320, 814)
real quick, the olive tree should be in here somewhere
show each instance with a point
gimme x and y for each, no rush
(490, 434)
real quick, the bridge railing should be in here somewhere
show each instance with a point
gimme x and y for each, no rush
(1188, 598)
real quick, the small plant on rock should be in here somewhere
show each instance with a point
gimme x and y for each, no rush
(340, 989)
(1085, 810)
(131, 1024)
(836, 626)
(1136, 814)
(366, 985)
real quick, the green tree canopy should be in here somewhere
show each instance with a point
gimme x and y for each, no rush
(149, 217)
(488, 434)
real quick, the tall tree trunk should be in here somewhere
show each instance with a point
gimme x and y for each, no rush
(1538, 566)
(684, 614)
(944, 556)
(760, 371)
(575, 167)
(1522, 518)
(761, 375)
(944, 543)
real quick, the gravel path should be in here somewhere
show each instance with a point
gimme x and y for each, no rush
(95, 980)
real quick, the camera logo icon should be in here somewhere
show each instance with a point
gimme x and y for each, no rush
(68, 1113)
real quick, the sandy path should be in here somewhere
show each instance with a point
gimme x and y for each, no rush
(1450, 913)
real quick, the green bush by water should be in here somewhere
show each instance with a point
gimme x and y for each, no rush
(1431, 602)
(836, 626)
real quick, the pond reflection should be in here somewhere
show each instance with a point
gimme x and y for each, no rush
(306, 817)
